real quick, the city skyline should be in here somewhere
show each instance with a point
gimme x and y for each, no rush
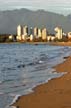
(39, 34)
(61, 6)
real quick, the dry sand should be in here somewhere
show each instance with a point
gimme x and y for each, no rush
(54, 94)
(51, 43)
(60, 43)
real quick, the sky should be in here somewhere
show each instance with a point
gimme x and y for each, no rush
(57, 6)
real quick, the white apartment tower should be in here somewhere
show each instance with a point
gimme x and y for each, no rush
(19, 32)
(25, 30)
(23, 37)
(59, 32)
(35, 32)
(39, 33)
(44, 34)
(31, 37)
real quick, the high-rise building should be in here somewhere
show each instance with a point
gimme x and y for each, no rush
(69, 35)
(23, 37)
(35, 32)
(39, 33)
(48, 38)
(19, 32)
(25, 30)
(44, 34)
(31, 37)
(25, 33)
(59, 32)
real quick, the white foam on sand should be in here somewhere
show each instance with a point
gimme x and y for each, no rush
(16, 98)
(30, 90)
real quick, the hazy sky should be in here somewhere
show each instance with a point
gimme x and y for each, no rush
(58, 6)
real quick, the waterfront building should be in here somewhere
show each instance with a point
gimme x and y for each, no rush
(69, 35)
(48, 38)
(31, 37)
(19, 32)
(39, 33)
(59, 32)
(64, 34)
(25, 30)
(44, 34)
(52, 38)
(11, 37)
(25, 33)
(24, 37)
(35, 32)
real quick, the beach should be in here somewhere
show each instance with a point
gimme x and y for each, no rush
(60, 43)
(54, 94)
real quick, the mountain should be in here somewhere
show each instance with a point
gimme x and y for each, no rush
(9, 20)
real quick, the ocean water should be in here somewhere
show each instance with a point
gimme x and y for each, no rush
(24, 66)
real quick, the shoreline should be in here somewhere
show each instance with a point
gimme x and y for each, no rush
(41, 43)
(54, 94)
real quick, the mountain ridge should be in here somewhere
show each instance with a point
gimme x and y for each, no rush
(10, 19)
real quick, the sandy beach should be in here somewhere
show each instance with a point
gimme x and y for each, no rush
(54, 94)
(51, 43)
(60, 43)
(41, 43)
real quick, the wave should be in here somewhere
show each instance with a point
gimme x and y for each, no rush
(30, 64)
(17, 86)
(36, 61)
(15, 99)
(30, 90)
(8, 68)
(11, 80)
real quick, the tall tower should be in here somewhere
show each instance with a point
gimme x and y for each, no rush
(44, 34)
(59, 32)
(25, 33)
(35, 32)
(19, 32)
(31, 37)
(39, 33)
(25, 30)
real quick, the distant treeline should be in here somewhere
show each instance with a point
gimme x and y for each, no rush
(5, 38)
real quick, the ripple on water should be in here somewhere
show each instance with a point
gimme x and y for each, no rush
(22, 67)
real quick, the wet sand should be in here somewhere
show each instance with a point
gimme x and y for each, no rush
(54, 94)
